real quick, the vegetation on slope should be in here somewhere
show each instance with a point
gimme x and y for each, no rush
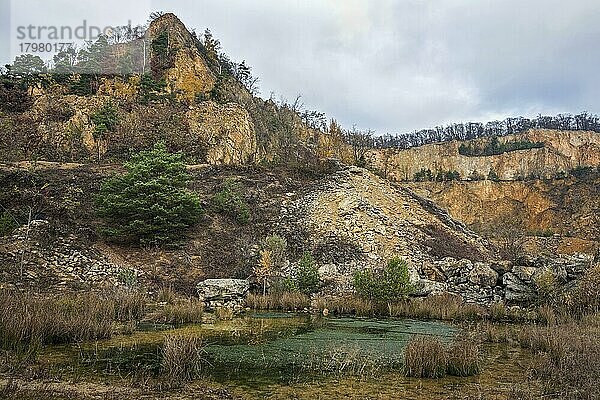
(494, 147)
(150, 203)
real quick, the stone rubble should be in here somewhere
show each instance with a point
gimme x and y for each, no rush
(64, 262)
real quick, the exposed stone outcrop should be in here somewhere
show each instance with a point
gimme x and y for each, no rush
(354, 220)
(28, 255)
(189, 75)
(227, 130)
(223, 292)
(564, 206)
(562, 151)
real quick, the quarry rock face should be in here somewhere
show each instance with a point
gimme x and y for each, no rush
(227, 130)
(563, 206)
(562, 151)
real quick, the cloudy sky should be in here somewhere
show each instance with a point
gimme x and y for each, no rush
(389, 65)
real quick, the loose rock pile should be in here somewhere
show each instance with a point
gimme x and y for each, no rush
(37, 256)
(355, 220)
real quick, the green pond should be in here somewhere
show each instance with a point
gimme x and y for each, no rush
(291, 355)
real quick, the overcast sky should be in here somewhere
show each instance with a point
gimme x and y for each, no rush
(389, 65)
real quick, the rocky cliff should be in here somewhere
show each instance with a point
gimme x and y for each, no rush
(562, 151)
(187, 98)
(567, 207)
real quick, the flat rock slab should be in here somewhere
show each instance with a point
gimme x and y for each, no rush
(212, 289)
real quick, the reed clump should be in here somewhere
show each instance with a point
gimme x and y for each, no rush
(426, 357)
(285, 301)
(181, 357)
(181, 312)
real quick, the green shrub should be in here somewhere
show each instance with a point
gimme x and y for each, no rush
(423, 175)
(7, 224)
(151, 90)
(494, 147)
(391, 284)
(150, 203)
(105, 120)
(229, 200)
(308, 275)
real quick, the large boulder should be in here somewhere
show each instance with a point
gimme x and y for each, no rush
(426, 287)
(483, 275)
(222, 289)
(516, 290)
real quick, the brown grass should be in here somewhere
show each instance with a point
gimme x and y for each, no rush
(128, 305)
(463, 359)
(180, 312)
(224, 313)
(443, 307)
(286, 301)
(567, 354)
(181, 356)
(166, 294)
(568, 359)
(425, 357)
(348, 305)
(27, 322)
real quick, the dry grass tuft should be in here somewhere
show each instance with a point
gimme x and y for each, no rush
(167, 295)
(27, 322)
(425, 357)
(128, 305)
(568, 359)
(286, 301)
(224, 313)
(181, 357)
(463, 359)
(179, 313)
